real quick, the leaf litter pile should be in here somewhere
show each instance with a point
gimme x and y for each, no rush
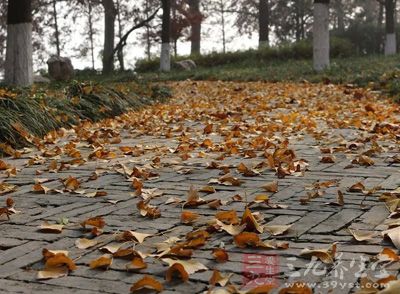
(175, 194)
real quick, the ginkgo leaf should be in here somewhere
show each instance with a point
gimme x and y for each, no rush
(218, 279)
(326, 255)
(137, 263)
(85, 243)
(132, 236)
(220, 255)
(51, 228)
(231, 229)
(176, 269)
(393, 235)
(147, 282)
(103, 262)
(251, 223)
(362, 235)
(271, 187)
(60, 259)
(188, 217)
(191, 266)
(52, 273)
(277, 229)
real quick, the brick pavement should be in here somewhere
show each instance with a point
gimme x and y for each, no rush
(324, 116)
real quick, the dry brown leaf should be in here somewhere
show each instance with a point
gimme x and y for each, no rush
(191, 266)
(326, 255)
(231, 229)
(220, 255)
(362, 235)
(147, 282)
(271, 187)
(251, 223)
(60, 259)
(137, 263)
(297, 288)
(218, 279)
(51, 228)
(85, 243)
(277, 229)
(103, 262)
(393, 235)
(52, 273)
(178, 270)
(97, 222)
(132, 236)
(188, 217)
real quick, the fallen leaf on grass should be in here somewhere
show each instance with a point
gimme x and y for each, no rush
(147, 282)
(326, 255)
(85, 243)
(51, 228)
(103, 262)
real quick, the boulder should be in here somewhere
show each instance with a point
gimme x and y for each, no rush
(60, 68)
(187, 64)
(40, 79)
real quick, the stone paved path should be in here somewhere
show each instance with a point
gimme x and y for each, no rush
(245, 123)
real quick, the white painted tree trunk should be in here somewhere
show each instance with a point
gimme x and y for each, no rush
(390, 44)
(321, 36)
(165, 60)
(18, 65)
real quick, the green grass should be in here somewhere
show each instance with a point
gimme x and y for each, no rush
(43, 108)
(358, 70)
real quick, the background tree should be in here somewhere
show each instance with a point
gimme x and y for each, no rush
(321, 35)
(18, 65)
(165, 59)
(110, 13)
(263, 23)
(390, 41)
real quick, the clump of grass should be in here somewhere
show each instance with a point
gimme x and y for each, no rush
(40, 110)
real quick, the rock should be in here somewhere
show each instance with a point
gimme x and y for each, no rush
(187, 64)
(40, 79)
(60, 68)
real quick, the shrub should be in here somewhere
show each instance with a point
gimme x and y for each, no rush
(299, 50)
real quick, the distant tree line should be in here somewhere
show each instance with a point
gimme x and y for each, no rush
(31, 29)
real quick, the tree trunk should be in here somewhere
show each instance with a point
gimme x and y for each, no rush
(18, 65)
(165, 59)
(120, 52)
(390, 42)
(56, 31)
(340, 15)
(109, 35)
(195, 22)
(91, 33)
(222, 6)
(263, 24)
(321, 35)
